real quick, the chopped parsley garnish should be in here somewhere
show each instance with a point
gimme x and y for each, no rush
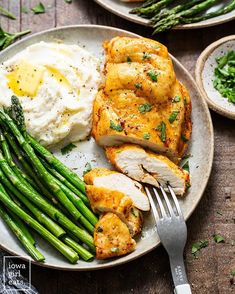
(87, 168)
(176, 99)
(114, 249)
(39, 8)
(224, 76)
(198, 246)
(185, 162)
(116, 127)
(146, 136)
(173, 116)
(68, 1)
(183, 138)
(128, 59)
(153, 75)
(24, 9)
(138, 86)
(99, 230)
(162, 129)
(67, 148)
(147, 55)
(188, 185)
(145, 108)
(218, 238)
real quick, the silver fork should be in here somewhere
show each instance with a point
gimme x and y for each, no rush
(172, 231)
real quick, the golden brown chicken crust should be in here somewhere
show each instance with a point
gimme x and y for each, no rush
(139, 72)
(106, 200)
(112, 237)
(97, 172)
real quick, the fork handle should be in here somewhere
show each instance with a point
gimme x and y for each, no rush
(179, 275)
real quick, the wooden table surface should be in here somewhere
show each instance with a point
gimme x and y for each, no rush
(210, 273)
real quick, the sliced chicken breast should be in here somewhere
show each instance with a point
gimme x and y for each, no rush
(141, 101)
(102, 177)
(148, 167)
(106, 200)
(112, 237)
(134, 220)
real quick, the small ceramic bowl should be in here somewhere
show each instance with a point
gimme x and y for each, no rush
(204, 72)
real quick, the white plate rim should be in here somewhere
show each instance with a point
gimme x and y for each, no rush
(202, 187)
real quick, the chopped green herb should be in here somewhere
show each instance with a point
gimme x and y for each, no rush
(185, 162)
(87, 169)
(24, 9)
(188, 185)
(173, 116)
(218, 212)
(145, 108)
(233, 272)
(128, 59)
(40, 8)
(153, 75)
(117, 127)
(183, 138)
(7, 13)
(138, 86)
(218, 238)
(67, 148)
(99, 230)
(68, 1)
(147, 55)
(146, 136)
(224, 76)
(198, 246)
(176, 99)
(162, 129)
(114, 249)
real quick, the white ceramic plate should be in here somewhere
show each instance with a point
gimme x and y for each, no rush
(122, 9)
(204, 73)
(92, 37)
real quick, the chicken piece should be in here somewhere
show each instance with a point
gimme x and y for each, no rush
(107, 200)
(102, 177)
(148, 167)
(141, 101)
(112, 237)
(134, 220)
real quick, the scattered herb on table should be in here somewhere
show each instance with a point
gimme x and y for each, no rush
(198, 246)
(7, 13)
(6, 38)
(162, 129)
(68, 1)
(224, 76)
(87, 169)
(40, 8)
(24, 9)
(116, 127)
(218, 238)
(67, 148)
(143, 108)
(233, 272)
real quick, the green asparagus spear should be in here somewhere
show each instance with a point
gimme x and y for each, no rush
(47, 207)
(34, 252)
(174, 20)
(152, 9)
(225, 9)
(69, 253)
(41, 217)
(171, 11)
(19, 222)
(82, 252)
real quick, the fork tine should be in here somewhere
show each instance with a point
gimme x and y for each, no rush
(169, 206)
(154, 209)
(176, 202)
(162, 208)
